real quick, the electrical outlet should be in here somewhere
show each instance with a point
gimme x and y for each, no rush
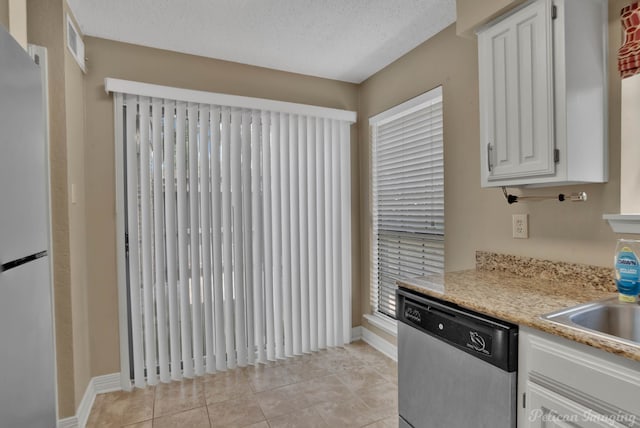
(520, 226)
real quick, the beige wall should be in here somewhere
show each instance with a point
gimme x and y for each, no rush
(4, 13)
(124, 61)
(66, 134)
(449, 61)
(476, 218)
(13, 16)
(18, 21)
(74, 103)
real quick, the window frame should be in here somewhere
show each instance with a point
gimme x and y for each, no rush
(377, 318)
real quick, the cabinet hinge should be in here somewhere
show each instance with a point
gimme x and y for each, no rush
(554, 12)
(524, 400)
(556, 155)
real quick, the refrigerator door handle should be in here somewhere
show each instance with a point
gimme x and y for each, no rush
(18, 262)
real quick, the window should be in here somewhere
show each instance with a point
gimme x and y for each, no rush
(408, 196)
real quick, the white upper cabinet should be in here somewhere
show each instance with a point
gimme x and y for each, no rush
(516, 94)
(542, 72)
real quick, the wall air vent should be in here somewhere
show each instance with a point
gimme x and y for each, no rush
(75, 44)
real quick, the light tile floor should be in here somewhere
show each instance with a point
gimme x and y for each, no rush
(354, 386)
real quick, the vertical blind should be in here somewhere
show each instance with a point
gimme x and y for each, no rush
(408, 196)
(238, 225)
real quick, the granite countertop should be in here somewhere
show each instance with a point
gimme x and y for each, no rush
(520, 300)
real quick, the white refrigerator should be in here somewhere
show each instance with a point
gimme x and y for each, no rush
(27, 369)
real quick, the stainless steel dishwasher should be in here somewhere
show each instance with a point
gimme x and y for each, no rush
(456, 368)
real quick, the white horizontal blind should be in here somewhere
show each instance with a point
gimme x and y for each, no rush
(225, 235)
(408, 196)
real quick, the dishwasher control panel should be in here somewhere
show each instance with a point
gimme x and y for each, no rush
(491, 340)
(449, 327)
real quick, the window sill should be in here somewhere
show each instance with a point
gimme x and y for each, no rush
(624, 223)
(388, 325)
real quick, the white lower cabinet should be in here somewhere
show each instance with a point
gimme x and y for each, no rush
(546, 409)
(564, 384)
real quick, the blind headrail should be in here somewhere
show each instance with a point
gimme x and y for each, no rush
(407, 107)
(203, 97)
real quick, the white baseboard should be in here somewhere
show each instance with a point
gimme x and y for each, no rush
(380, 344)
(107, 383)
(97, 385)
(356, 333)
(388, 325)
(70, 422)
(84, 409)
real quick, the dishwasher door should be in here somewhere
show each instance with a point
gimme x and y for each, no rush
(456, 368)
(440, 386)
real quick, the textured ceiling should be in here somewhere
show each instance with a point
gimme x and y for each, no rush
(346, 40)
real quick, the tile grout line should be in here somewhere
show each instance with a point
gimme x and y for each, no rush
(262, 411)
(153, 406)
(206, 406)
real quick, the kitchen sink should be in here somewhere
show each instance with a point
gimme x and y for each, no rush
(610, 318)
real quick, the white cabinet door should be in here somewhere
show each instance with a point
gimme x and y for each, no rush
(516, 96)
(546, 409)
